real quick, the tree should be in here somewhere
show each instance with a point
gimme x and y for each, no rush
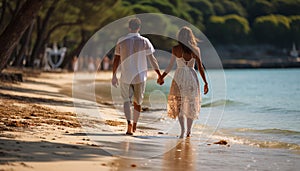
(232, 7)
(205, 6)
(16, 28)
(8, 10)
(231, 29)
(42, 25)
(237, 28)
(219, 9)
(287, 7)
(92, 16)
(260, 8)
(272, 29)
(295, 29)
(215, 29)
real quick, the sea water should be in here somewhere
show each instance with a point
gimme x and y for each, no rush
(258, 107)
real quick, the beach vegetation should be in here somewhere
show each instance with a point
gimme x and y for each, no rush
(71, 23)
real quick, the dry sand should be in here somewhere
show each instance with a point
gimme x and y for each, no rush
(40, 131)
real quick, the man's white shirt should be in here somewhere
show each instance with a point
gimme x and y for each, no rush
(133, 50)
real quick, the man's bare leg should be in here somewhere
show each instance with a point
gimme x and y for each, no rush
(128, 117)
(136, 115)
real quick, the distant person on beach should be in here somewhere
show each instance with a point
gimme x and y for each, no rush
(75, 64)
(105, 63)
(131, 53)
(184, 97)
(91, 64)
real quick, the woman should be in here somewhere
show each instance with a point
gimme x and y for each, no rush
(184, 97)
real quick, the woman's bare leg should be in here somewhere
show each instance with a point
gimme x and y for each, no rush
(189, 122)
(181, 122)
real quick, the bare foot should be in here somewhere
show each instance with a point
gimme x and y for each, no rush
(129, 130)
(188, 134)
(181, 135)
(134, 127)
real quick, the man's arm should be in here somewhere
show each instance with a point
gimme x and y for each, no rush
(116, 64)
(154, 64)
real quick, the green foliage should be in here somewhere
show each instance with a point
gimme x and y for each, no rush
(239, 25)
(138, 9)
(176, 3)
(287, 7)
(228, 29)
(231, 7)
(219, 9)
(216, 30)
(164, 6)
(224, 21)
(260, 8)
(197, 18)
(272, 29)
(274, 22)
(295, 29)
(204, 6)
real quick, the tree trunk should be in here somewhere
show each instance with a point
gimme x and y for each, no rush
(76, 51)
(12, 12)
(41, 35)
(4, 3)
(17, 62)
(16, 28)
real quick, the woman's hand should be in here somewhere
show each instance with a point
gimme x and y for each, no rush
(206, 88)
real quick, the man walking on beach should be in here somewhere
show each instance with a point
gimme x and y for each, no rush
(131, 54)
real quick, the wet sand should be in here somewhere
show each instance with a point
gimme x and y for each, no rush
(40, 129)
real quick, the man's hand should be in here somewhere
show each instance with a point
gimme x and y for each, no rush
(115, 81)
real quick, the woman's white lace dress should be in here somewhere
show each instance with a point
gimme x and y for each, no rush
(184, 97)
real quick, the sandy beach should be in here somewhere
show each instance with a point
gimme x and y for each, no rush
(42, 130)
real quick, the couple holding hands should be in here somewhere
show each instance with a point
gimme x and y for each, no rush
(131, 54)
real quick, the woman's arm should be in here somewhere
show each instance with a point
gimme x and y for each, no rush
(201, 70)
(170, 66)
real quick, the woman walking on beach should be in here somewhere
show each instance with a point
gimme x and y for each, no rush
(184, 97)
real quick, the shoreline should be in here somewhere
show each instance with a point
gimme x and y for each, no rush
(260, 64)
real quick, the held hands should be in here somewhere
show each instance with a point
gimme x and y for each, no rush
(161, 77)
(160, 80)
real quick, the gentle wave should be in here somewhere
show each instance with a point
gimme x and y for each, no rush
(223, 102)
(258, 143)
(281, 110)
(268, 131)
(229, 136)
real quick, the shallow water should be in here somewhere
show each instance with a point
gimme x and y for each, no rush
(256, 107)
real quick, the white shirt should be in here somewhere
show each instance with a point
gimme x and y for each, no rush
(133, 50)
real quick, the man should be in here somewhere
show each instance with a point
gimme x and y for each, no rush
(131, 53)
